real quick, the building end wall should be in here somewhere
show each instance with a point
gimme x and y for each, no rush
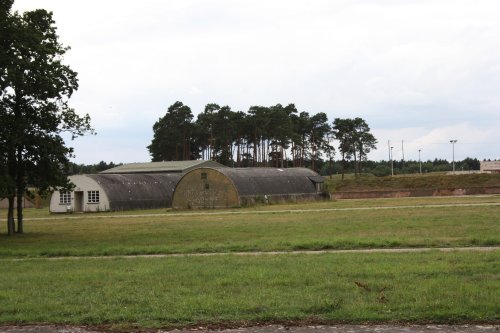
(80, 200)
(205, 188)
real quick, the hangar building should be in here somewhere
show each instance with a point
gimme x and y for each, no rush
(185, 185)
(228, 187)
(126, 187)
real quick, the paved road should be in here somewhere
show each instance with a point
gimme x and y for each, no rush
(280, 329)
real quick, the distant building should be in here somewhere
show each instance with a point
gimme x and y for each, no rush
(490, 166)
(98, 193)
(185, 185)
(228, 187)
(126, 187)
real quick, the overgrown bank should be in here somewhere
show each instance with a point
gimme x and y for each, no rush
(417, 184)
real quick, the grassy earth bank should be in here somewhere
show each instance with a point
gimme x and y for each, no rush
(425, 181)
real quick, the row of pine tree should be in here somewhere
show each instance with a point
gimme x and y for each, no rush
(274, 136)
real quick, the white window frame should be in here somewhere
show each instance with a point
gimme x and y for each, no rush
(64, 198)
(93, 197)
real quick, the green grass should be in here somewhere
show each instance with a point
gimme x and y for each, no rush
(351, 203)
(251, 230)
(451, 287)
(456, 287)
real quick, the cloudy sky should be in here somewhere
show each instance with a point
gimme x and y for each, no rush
(422, 71)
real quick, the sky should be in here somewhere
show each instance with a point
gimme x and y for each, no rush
(419, 72)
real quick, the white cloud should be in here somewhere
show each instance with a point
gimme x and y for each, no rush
(472, 141)
(412, 69)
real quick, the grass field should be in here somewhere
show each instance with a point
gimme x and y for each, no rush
(166, 292)
(285, 228)
(451, 287)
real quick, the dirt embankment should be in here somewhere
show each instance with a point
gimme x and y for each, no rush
(403, 193)
(366, 186)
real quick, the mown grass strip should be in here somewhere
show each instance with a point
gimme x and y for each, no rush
(280, 231)
(279, 210)
(166, 292)
(327, 204)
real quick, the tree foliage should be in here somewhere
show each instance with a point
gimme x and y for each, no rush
(78, 169)
(383, 168)
(277, 136)
(173, 135)
(355, 140)
(34, 111)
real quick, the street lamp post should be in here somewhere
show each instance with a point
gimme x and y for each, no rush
(392, 164)
(453, 145)
(420, 161)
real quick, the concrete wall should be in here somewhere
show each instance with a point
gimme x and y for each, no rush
(205, 188)
(79, 197)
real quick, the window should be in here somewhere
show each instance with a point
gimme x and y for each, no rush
(93, 196)
(203, 175)
(64, 198)
(207, 186)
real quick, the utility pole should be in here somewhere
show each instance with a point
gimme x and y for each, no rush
(420, 161)
(453, 145)
(403, 152)
(389, 146)
(392, 163)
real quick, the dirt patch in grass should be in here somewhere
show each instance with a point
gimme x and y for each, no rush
(293, 327)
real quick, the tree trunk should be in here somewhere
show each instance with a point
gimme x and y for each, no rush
(343, 165)
(10, 216)
(263, 152)
(303, 151)
(360, 159)
(238, 153)
(20, 186)
(255, 150)
(282, 157)
(355, 162)
(20, 228)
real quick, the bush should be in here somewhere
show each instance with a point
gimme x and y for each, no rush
(381, 171)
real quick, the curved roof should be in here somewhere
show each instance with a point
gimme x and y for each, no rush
(162, 167)
(261, 181)
(138, 191)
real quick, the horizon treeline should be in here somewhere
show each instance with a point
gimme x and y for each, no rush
(273, 136)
